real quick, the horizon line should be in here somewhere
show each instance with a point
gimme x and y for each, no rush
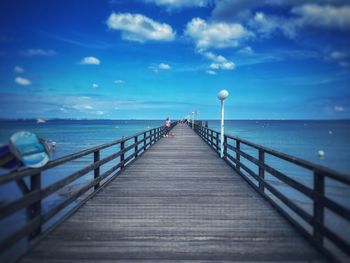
(87, 119)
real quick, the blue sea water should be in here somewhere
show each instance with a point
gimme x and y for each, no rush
(302, 139)
(299, 138)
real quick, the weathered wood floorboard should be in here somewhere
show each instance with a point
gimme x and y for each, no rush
(178, 202)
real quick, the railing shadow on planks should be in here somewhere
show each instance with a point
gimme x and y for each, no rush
(37, 222)
(315, 223)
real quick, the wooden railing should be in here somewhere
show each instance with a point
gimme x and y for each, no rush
(34, 194)
(312, 224)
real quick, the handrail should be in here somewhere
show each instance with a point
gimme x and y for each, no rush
(317, 193)
(34, 194)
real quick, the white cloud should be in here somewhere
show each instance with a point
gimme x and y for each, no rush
(37, 52)
(22, 81)
(161, 66)
(324, 15)
(99, 112)
(246, 51)
(180, 3)
(215, 34)
(137, 27)
(218, 61)
(18, 69)
(90, 61)
(241, 9)
(344, 64)
(268, 24)
(119, 82)
(339, 108)
(82, 107)
(94, 85)
(211, 72)
(338, 55)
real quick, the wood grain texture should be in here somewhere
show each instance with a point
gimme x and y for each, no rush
(178, 202)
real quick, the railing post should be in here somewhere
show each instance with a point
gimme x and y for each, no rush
(144, 141)
(318, 205)
(261, 169)
(34, 210)
(211, 138)
(122, 146)
(97, 169)
(217, 141)
(225, 146)
(238, 156)
(136, 146)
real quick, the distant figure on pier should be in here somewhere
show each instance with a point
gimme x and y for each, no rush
(167, 126)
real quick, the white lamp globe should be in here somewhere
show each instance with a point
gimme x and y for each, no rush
(223, 94)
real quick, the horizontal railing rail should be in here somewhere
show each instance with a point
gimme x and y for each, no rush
(320, 233)
(34, 194)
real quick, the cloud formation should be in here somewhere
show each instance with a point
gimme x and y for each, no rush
(326, 16)
(22, 81)
(297, 15)
(266, 25)
(218, 61)
(160, 66)
(248, 51)
(215, 34)
(180, 3)
(94, 85)
(18, 69)
(90, 61)
(338, 55)
(137, 27)
(210, 72)
(37, 52)
(163, 66)
(119, 82)
(339, 108)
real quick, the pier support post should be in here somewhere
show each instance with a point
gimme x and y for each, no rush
(34, 210)
(225, 146)
(122, 146)
(97, 169)
(261, 169)
(144, 141)
(318, 206)
(238, 156)
(136, 146)
(217, 143)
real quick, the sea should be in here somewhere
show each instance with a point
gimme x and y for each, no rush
(300, 138)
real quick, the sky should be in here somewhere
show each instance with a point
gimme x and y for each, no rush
(148, 59)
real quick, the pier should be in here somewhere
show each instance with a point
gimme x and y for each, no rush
(174, 199)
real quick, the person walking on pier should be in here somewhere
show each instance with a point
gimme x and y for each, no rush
(167, 126)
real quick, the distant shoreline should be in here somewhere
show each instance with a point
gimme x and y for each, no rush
(58, 119)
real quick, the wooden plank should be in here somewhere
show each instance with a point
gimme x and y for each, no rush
(179, 201)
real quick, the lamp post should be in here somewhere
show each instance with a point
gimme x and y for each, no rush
(222, 95)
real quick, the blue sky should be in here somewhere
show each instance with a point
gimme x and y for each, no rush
(148, 59)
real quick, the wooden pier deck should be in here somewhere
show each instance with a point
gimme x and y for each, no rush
(178, 202)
